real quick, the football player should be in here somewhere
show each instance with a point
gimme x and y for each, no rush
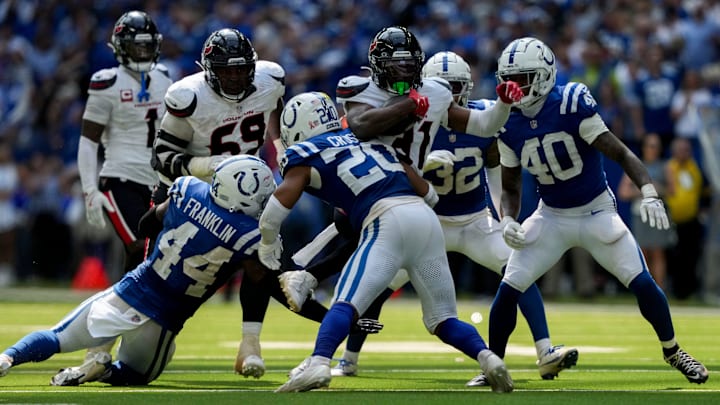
(399, 230)
(401, 109)
(123, 110)
(149, 306)
(557, 134)
(462, 168)
(227, 109)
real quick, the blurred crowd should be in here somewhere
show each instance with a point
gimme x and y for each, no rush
(651, 64)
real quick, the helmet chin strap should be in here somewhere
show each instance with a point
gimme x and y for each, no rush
(533, 108)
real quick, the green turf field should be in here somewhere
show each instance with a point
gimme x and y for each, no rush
(620, 359)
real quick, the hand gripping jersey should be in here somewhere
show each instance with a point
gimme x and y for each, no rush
(351, 175)
(219, 126)
(413, 144)
(461, 188)
(554, 146)
(198, 250)
(131, 118)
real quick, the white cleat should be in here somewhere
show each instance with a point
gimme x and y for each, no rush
(310, 378)
(94, 367)
(478, 381)
(496, 373)
(344, 368)
(297, 286)
(5, 363)
(249, 362)
(556, 359)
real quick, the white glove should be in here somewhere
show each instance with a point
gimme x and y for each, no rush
(513, 233)
(95, 201)
(270, 253)
(205, 166)
(439, 158)
(652, 209)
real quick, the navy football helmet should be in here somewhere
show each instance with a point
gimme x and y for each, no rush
(135, 41)
(396, 60)
(228, 59)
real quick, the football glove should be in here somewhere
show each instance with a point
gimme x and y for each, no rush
(366, 325)
(652, 209)
(509, 92)
(204, 167)
(513, 233)
(95, 201)
(439, 158)
(270, 253)
(421, 103)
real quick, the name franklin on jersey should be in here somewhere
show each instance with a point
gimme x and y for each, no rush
(209, 220)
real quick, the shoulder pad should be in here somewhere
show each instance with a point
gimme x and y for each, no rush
(180, 101)
(162, 69)
(272, 69)
(103, 79)
(351, 86)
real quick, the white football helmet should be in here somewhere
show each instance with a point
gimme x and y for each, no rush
(453, 68)
(307, 115)
(530, 63)
(242, 183)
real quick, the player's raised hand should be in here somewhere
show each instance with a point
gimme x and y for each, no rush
(270, 253)
(421, 102)
(509, 92)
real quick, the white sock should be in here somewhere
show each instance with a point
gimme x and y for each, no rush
(251, 329)
(319, 361)
(542, 346)
(668, 344)
(351, 357)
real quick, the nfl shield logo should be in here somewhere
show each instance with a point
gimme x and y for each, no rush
(533, 124)
(452, 138)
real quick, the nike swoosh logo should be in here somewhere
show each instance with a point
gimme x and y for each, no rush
(594, 212)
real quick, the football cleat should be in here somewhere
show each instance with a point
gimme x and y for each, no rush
(556, 359)
(248, 362)
(299, 368)
(5, 364)
(692, 369)
(344, 368)
(478, 381)
(311, 377)
(94, 367)
(496, 372)
(297, 286)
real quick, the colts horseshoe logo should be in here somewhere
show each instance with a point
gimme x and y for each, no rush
(242, 183)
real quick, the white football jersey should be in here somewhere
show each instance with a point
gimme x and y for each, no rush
(414, 144)
(221, 126)
(131, 120)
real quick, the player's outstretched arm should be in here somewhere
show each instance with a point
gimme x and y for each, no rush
(368, 122)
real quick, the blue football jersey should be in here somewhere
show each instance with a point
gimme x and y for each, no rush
(462, 188)
(198, 250)
(568, 171)
(353, 175)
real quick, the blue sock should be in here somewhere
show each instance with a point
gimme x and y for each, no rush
(503, 317)
(533, 309)
(461, 336)
(36, 346)
(357, 339)
(653, 305)
(334, 329)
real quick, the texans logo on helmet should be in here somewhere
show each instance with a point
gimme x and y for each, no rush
(373, 45)
(119, 28)
(208, 49)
